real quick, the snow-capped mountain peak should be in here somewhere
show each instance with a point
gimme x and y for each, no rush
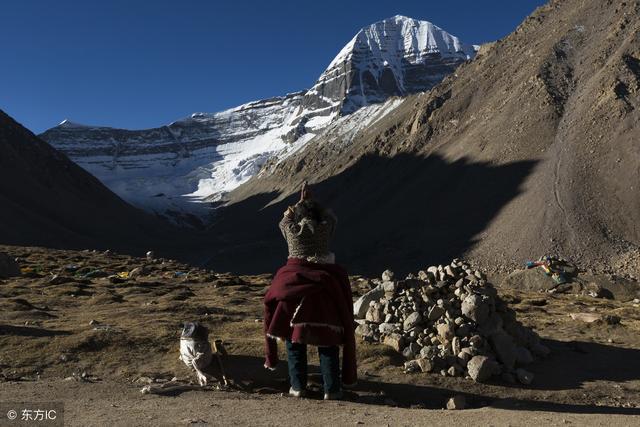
(66, 123)
(205, 155)
(400, 36)
(395, 56)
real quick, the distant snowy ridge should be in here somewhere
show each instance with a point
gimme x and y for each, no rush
(66, 123)
(202, 157)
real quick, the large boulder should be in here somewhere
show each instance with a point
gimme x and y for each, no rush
(477, 307)
(619, 288)
(361, 305)
(395, 341)
(532, 280)
(481, 368)
(8, 266)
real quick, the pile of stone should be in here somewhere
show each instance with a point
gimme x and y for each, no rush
(448, 320)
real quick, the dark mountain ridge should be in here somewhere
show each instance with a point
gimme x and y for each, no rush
(47, 200)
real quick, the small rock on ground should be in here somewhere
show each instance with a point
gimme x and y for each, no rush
(457, 402)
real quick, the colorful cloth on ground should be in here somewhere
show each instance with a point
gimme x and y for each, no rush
(559, 269)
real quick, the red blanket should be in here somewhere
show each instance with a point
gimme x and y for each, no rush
(311, 304)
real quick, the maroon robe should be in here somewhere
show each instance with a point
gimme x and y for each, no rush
(311, 303)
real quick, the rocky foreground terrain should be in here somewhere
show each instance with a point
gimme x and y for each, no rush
(92, 328)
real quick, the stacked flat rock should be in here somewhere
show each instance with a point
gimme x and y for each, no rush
(448, 319)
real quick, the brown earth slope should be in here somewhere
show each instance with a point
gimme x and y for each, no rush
(48, 200)
(531, 148)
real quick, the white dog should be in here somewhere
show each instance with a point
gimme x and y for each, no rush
(195, 350)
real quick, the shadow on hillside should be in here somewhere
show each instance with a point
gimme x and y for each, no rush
(564, 370)
(24, 331)
(404, 212)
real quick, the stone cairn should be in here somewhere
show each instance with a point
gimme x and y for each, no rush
(448, 319)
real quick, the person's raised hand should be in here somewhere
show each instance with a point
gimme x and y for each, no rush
(304, 192)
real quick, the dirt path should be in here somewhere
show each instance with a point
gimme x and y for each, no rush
(116, 404)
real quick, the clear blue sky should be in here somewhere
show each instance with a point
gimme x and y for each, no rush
(136, 64)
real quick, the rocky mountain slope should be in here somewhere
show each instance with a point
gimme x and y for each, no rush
(530, 149)
(170, 169)
(46, 199)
